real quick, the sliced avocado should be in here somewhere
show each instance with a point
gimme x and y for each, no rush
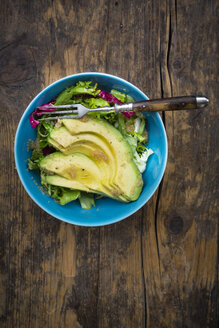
(112, 173)
(89, 144)
(98, 156)
(76, 171)
(57, 180)
(127, 177)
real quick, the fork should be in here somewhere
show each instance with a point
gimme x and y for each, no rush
(164, 104)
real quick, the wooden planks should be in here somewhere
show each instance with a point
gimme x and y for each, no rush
(158, 268)
(187, 216)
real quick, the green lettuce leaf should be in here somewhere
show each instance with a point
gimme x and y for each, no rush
(43, 131)
(121, 96)
(80, 88)
(86, 200)
(142, 126)
(61, 194)
(122, 128)
(138, 136)
(140, 148)
(33, 162)
(68, 196)
(96, 103)
(132, 142)
(129, 99)
(121, 121)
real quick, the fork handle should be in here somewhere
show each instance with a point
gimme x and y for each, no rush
(169, 104)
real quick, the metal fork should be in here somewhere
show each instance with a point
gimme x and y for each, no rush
(165, 104)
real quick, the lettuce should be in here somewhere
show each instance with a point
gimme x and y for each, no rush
(119, 95)
(68, 196)
(141, 160)
(124, 98)
(43, 131)
(132, 142)
(138, 136)
(136, 140)
(122, 128)
(142, 126)
(33, 162)
(86, 200)
(110, 116)
(114, 100)
(86, 94)
(121, 121)
(81, 87)
(96, 103)
(61, 194)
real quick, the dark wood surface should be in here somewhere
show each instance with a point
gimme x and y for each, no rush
(158, 268)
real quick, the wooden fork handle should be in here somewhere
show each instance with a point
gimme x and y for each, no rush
(169, 104)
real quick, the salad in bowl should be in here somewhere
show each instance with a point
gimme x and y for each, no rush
(96, 170)
(102, 154)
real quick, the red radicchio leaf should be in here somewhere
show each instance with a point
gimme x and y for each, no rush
(34, 122)
(128, 114)
(109, 97)
(112, 99)
(48, 150)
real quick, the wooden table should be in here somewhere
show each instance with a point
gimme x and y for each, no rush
(158, 268)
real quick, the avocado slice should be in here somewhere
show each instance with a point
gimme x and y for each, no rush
(101, 150)
(127, 177)
(57, 180)
(75, 171)
(89, 144)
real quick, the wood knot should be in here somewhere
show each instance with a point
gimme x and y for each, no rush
(21, 62)
(177, 64)
(175, 225)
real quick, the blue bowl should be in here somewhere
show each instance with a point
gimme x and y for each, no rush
(107, 210)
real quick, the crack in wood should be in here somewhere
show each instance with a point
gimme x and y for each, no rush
(15, 42)
(176, 13)
(98, 274)
(214, 293)
(168, 51)
(107, 45)
(8, 45)
(156, 220)
(144, 316)
(161, 83)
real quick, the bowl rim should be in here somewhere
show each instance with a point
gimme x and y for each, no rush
(28, 190)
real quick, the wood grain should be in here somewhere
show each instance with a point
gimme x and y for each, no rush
(157, 268)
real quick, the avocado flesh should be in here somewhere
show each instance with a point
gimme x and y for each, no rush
(98, 156)
(118, 176)
(64, 140)
(91, 152)
(75, 171)
(90, 145)
(94, 148)
(57, 180)
(126, 177)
